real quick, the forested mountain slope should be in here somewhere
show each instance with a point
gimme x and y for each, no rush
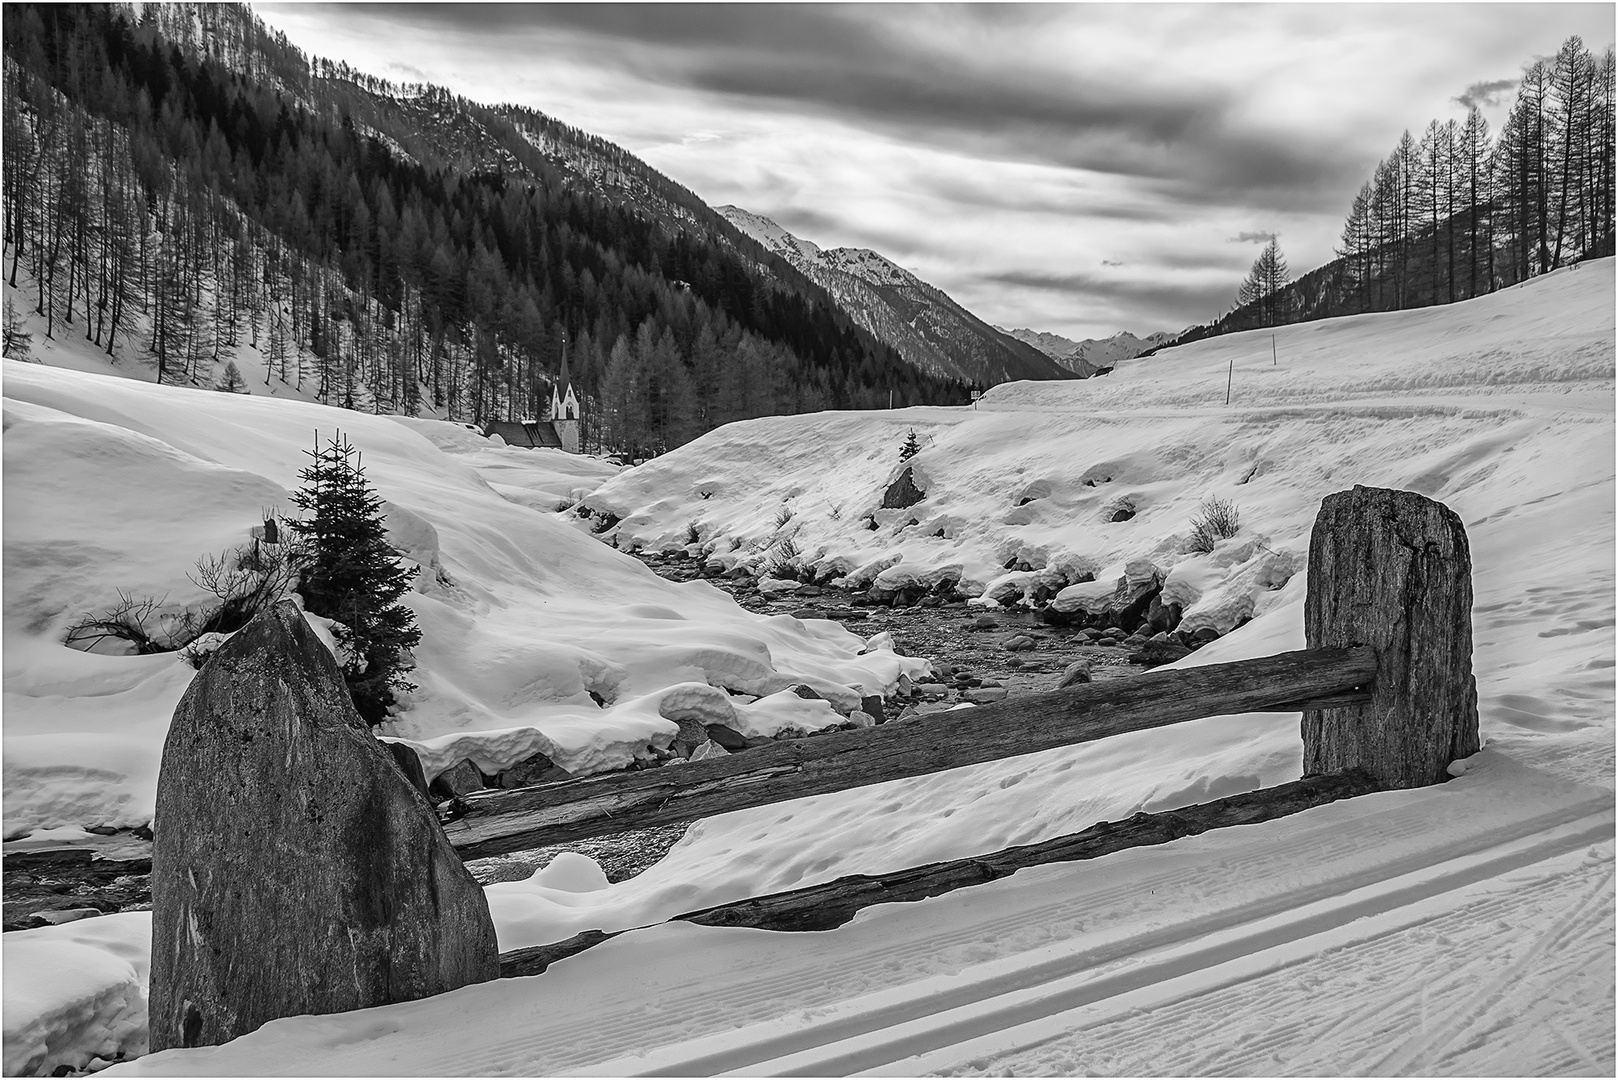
(184, 184)
(921, 321)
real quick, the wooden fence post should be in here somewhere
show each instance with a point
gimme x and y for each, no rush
(1391, 569)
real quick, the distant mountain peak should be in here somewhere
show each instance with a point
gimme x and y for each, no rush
(926, 327)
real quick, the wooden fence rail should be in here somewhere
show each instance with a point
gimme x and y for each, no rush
(1385, 688)
(504, 821)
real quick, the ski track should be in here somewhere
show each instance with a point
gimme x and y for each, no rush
(792, 1016)
(1454, 994)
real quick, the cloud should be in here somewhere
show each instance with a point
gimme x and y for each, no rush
(1250, 238)
(1110, 262)
(1156, 302)
(1485, 94)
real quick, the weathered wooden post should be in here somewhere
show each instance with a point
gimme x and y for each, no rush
(1391, 569)
(295, 869)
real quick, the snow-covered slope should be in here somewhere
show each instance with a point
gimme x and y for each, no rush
(1462, 929)
(923, 324)
(116, 485)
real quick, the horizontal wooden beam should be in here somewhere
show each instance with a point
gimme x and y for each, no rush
(827, 906)
(495, 823)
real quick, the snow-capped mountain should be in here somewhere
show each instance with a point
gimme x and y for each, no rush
(1054, 346)
(1092, 354)
(921, 322)
(1106, 352)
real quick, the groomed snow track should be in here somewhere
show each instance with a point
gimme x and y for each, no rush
(1145, 1004)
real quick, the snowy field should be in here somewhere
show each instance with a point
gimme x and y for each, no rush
(1465, 929)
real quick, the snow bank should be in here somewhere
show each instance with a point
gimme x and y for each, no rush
(117, 485)
(76, 993)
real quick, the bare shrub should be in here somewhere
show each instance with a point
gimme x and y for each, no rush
(130, 620)
(1217, 519)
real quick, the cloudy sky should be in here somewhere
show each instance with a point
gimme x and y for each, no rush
(1080, 169)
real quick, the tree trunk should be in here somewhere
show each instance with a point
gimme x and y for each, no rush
(1391, 569)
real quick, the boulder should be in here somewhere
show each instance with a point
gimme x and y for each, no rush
(984, 695)
(1154, 652)
(871, 704)
(902, 492)
(535, 769)
(727, 737)
(1075, 673)
(1019, 643)
(409, 764)
(708, 749)
(295, 870)
(459, 779)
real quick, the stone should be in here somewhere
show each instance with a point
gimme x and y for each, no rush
(809, 591)
(708, 749)
(984, 622)
(902, 492)
(932, 689)
(806, 692)
(295, 870)
(1019, 643)
(727, 737)
(1155, 652)
(808, 613)
(984, 694)
(409, 763)
(861, 718)
(461, 778)
(871, 704)
(1075, 673)
(535, 769)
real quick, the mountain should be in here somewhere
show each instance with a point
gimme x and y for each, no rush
(919, 321)
(1086, 357)
(1098, 354)
(186, 190)
(1054, 346)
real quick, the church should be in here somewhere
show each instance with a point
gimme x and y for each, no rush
(559, 431)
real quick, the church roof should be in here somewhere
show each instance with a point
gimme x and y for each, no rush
(527, 434)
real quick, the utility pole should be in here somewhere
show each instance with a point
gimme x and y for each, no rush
(1273, 361)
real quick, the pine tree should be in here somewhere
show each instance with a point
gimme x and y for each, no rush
(351, 574)
(231, 381)
(18, 341)
(911, 447)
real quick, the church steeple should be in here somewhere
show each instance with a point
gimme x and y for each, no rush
(564, 401)
(565, 407)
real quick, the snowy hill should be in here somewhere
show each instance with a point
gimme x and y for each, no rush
(927, 328)
(1464, 929)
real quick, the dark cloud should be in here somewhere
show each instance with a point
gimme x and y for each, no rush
(1110, 262)
(866, 66)
(1481, 95)
(1155, 302)
(1250, 238)
(965, 189)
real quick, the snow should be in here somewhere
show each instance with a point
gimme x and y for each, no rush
(114, 484)
(76, 992)
(1313, 943)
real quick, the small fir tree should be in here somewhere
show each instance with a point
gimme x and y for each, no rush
(231, 382)
(351, 574)
(911, 447)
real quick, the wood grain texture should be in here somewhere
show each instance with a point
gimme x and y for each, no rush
(828, 906)
(499, 822)
(1392, 570)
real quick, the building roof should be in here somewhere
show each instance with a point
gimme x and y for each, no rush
(524, 433)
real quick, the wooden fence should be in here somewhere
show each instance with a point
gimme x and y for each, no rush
(1385, 687)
